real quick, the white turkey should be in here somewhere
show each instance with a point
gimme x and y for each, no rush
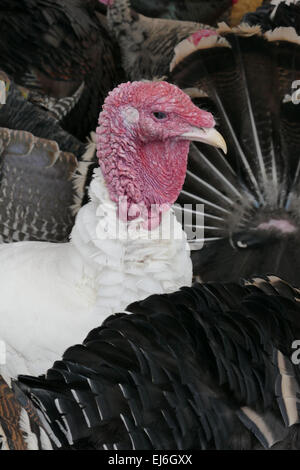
(126, 243)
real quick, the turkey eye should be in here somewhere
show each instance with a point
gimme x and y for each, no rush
(160, 115)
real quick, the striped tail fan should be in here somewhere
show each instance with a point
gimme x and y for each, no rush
(22, 426)
(245, 217)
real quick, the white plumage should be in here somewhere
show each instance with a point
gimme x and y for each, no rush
(52, 295)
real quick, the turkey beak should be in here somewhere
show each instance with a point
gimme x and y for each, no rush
(207, 135)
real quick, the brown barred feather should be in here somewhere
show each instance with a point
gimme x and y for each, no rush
(10, 414)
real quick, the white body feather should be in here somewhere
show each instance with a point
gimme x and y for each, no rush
(52, 295)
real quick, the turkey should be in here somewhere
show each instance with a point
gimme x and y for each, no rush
(146, 44)
(43, 170)
(126, 243)
(207, 367)
(244, 218)
(61, 51)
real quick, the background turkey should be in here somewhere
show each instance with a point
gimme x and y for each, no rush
(251, 197)
(43, 170)
(59, 49)
(204, 368)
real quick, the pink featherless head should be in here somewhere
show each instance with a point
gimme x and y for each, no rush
(142, 145)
